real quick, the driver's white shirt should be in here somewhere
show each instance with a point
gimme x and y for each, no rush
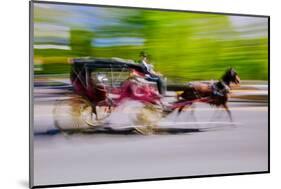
(147, 66)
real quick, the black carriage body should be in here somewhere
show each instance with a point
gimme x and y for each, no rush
(113, 63)
(109, 72)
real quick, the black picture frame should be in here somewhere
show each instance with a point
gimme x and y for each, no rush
(31, 103)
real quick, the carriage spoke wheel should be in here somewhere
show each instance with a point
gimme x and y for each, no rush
(76, 114)
(67, 114)
(147, 118)
(94, 119)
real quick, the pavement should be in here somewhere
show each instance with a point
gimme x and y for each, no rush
(212, 145)
(221, 147)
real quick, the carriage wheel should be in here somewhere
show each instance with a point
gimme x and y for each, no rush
(76, 114)
(67, 114)
(96, 118)
(147, 118)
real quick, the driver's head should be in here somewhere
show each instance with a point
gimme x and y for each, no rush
(143, 55)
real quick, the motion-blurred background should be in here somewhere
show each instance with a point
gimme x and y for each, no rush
(183, 46)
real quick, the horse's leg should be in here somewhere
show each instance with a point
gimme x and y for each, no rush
(213, 116)
(180, 110)
(217, 114)
(192, 112)
(228, 111)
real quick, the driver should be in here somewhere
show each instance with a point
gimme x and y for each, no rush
(150, 74)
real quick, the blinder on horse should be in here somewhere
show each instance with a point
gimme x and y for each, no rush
(231, 76)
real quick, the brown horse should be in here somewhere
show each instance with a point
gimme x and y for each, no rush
(216, 93)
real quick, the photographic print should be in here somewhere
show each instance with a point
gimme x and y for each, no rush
(122, 94)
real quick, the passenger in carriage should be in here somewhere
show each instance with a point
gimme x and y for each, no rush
(150, 74)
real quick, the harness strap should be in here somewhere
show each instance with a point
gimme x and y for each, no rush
(217, 91)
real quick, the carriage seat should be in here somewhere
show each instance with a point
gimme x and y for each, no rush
(142, 80)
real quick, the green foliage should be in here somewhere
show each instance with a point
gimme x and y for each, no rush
(182, 46)
(80, 42)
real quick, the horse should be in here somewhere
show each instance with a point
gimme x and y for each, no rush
(213, 93)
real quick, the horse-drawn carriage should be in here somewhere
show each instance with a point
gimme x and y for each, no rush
(102, 85)
(99, 85)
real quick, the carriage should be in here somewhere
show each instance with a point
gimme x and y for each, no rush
(108, 74)
(102, 85)
(97, 85)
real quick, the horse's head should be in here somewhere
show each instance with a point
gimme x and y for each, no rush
(231, 76)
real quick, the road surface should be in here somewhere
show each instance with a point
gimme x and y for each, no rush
(225, 148)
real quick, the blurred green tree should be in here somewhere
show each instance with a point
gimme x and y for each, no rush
(183, 46)
(81, 42)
